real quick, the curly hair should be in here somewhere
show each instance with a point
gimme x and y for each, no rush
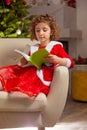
(50, 21)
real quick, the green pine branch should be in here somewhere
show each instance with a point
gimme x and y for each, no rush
(13, 18)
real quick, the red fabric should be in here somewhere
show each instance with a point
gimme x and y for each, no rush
(71, 3)
(16, 78)
(25, 79)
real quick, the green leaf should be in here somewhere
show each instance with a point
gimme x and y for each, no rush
(14, 35)
(8, 30)
(1, 34)
(5, 10)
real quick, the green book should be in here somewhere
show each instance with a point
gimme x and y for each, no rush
(37, 58)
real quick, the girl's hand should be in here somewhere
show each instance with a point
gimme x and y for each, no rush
(52, 58)
(55, 59)
(23, 61)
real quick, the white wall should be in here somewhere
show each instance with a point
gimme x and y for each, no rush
(82, 25)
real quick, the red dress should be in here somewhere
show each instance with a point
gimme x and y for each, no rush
(30, 80)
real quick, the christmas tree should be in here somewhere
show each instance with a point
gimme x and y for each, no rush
(14, 19)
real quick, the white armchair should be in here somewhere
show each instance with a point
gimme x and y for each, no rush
(18, 110)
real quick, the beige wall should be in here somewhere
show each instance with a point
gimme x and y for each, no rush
(82, 24)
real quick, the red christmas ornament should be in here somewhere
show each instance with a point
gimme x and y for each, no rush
(8, 2)
(80, 59)
(24, 2)
(71, 3)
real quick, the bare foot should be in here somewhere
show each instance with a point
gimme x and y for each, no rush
(0, 86)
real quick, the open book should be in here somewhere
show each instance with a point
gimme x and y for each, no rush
(37, 58)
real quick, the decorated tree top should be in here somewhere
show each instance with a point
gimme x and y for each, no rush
(14, 19)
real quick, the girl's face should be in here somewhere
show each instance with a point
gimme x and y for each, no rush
(43, 32)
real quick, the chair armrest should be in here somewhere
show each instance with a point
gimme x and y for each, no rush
(57, 96)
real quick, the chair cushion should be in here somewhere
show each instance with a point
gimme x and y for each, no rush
(17, 101)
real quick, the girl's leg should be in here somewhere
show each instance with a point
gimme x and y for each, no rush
(0, 86)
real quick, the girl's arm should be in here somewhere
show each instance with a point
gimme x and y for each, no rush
(59, 56)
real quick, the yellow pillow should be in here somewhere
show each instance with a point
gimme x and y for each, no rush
(79, 86)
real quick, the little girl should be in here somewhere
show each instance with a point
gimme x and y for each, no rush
(28, 79)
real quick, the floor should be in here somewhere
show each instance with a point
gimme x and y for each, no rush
(74, 117)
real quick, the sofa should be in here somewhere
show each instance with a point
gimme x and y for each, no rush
(17, 109)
